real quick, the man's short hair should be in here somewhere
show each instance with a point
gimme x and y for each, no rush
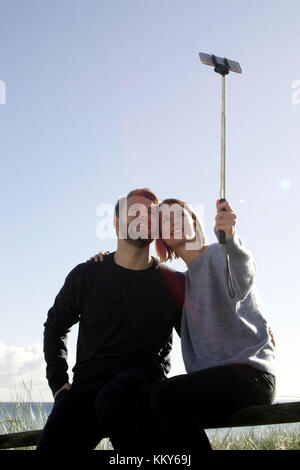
(145, 192)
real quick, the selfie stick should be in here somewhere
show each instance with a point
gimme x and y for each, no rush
(222, 66)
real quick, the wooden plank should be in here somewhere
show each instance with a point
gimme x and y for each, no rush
(280, 413)
(19, 439)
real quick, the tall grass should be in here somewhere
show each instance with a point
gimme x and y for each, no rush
(26, 413)
(20, 414)
(276, 437)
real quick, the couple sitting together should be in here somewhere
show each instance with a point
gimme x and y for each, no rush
(127, 304)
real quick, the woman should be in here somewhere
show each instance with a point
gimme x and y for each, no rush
(227, 346)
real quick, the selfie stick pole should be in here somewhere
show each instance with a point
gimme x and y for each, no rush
(223, 70)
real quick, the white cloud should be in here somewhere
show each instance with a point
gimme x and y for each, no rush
(23, 373)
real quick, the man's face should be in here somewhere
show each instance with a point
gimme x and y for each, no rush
(137, 221)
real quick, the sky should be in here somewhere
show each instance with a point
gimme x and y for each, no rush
(98, 98)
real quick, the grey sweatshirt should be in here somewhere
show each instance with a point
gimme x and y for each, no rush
(216, 329)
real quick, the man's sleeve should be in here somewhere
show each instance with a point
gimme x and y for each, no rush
(64, 313)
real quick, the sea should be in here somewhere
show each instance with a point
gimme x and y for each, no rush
(22, 416)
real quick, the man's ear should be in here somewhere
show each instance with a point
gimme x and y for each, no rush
(195, 225)
(116, 224)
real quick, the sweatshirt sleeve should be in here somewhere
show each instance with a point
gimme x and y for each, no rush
(64, 313)
(242, 264)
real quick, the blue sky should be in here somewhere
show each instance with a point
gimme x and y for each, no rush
(106, 96)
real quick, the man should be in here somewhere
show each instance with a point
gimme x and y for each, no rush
(126, 307)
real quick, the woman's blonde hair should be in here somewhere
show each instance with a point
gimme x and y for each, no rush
(167, 253)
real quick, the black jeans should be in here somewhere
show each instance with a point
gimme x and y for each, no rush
(88, 412)
(183, 405)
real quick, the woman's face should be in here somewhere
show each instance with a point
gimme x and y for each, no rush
(176, 224)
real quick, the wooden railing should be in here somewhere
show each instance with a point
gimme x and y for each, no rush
(251, 416)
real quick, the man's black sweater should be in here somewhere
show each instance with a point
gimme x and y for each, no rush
(125, 320)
